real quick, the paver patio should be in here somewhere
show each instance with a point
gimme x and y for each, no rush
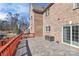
(23, 49)
(42, 47)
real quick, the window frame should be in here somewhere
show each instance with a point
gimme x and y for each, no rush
(47, 12)
(75, 6)
(48, 28)
(71, 36)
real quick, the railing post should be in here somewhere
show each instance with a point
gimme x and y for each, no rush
(9, 48)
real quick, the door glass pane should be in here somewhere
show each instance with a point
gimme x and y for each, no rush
(66, 34)
(75, 35)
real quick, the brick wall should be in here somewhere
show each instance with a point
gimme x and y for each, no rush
(60, 14)
(36, 23)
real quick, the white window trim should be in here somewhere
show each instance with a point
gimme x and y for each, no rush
(74, 5)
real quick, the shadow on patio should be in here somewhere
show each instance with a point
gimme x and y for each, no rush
(23, 49)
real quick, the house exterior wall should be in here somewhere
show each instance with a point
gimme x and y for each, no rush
(31, 19)
(36, 23)
(60, 14)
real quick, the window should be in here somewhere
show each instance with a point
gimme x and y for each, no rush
(71, 34)
(47, 12)
(75, 35)
(47, 28)
(31, 18)
(75, 5)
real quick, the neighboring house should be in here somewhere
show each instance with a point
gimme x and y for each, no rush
(61, 20)
(36, 20)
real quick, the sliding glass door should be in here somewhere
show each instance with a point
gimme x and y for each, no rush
(66, 34)
(71, 34)
(75, 35)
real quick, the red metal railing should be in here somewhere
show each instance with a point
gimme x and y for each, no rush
(4, 41)
(10, 48)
